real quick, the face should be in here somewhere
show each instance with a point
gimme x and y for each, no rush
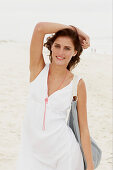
(62, 50)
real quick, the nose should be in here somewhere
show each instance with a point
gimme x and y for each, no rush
(61, 52)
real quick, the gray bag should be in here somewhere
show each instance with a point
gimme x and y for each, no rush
(73, 123)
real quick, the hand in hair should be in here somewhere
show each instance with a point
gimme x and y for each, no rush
(84, 38)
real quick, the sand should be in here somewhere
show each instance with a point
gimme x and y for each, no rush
(95, 69)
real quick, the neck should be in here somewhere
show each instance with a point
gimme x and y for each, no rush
(57, 71)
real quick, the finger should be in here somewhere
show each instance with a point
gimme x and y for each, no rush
(85, 46)
(88, 42)
(85, 42)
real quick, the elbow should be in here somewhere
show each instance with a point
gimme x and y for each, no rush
(39, 26)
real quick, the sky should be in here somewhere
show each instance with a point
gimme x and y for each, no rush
(19, 17)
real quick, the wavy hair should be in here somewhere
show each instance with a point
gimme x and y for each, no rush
(67, 32)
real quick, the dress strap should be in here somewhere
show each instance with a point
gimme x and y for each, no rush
(75, 84)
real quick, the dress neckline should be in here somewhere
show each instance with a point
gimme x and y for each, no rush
(58, 89)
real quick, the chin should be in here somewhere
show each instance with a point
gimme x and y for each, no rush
(60, 62)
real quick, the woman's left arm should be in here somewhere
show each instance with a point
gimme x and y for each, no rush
(83, 123)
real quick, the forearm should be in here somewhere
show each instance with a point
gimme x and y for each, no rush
(86, 145)
(81, 33)
(50, 27)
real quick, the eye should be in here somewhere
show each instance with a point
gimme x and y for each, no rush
(57, 46)
(67, 48)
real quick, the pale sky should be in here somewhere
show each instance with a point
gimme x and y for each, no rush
(18, 17)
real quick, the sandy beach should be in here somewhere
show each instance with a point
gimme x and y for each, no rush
(95, 69)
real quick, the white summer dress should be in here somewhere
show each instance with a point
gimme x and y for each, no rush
(56, 147)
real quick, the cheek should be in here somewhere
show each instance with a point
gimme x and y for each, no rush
(54, 51)
(69, 54)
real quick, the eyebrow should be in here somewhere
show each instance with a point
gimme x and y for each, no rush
(65, 46)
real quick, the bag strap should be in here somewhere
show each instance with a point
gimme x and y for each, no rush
(75, 84)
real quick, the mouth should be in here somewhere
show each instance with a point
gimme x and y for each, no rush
(60, 58)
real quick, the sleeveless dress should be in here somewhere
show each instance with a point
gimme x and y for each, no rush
(55, 147)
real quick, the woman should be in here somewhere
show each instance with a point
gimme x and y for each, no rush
(47, 142)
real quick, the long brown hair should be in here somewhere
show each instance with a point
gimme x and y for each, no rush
(76, 42)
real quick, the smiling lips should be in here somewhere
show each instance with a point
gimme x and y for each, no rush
(60, 58)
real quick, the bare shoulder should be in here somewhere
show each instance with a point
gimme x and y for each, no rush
(81, 88)
(81, 84)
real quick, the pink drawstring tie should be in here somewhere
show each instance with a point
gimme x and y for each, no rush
(46, 99)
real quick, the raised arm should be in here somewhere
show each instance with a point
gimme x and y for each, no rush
(36, 46)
